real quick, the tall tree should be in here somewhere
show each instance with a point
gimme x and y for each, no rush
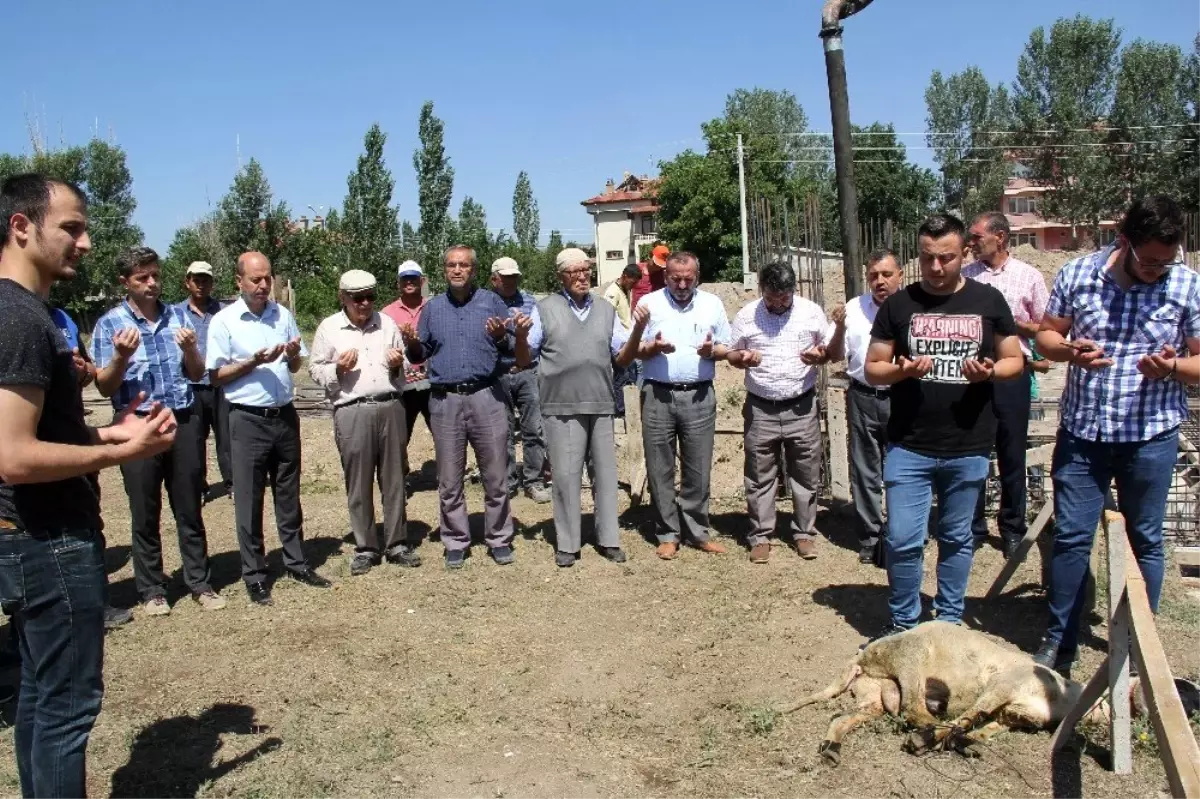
(526, 223)
(1188, 157)
(699, 210)
(963, 115)
(199, 241)
(248, 219)
(889, 187)
(435, 185)
(370, 230)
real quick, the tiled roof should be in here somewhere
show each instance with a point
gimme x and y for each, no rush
(619, 197)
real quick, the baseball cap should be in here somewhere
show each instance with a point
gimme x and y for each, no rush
(659, 254)
(505, 266)
(571, 255)
(200, 268)
(410, 269)
(356, 280)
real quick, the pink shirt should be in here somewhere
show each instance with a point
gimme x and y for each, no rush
(781, 338)
(401, 314)
(1023, 288)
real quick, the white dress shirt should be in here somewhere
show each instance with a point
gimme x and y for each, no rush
(685, 326)
(860, 316)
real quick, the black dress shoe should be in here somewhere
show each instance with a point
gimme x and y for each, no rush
(260, 594)
(1053, 658)
(309, 577)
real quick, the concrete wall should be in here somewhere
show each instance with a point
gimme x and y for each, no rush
(613, 232)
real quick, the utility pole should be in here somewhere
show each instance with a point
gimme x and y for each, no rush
(745, 236)
(843, 148)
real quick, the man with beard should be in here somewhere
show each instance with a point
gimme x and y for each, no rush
(144, 348)
(1126, 320)
(51, 550)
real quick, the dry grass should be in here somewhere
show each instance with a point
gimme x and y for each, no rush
(650, 678)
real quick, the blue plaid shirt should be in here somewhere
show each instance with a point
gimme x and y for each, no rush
(157, 366)
(453, 338)
(528, 305)
(200, 322)
(1119, 404)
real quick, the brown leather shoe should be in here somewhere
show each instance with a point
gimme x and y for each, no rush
(667, 550)
(805, 548)
(760, 553)
(711, 547)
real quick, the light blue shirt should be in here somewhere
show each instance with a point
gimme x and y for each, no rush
(235, 334)
(686, 327)
(619, 334)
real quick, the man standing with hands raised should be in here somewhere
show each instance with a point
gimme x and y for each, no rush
(254, 348)
(938, 344)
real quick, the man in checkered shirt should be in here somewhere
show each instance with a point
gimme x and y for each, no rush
(1132, 316)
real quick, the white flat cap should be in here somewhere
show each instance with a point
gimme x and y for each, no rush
(571, 255)
(199, 268)
(356, 280)
(505, 266)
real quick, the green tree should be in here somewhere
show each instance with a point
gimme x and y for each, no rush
(200, 241)
(435, 186)
(1188, 138)
(699, 210)
(963, 115)
(471, 229)
(247, 219)
(369, 228)
(526, 223)
(890, 188)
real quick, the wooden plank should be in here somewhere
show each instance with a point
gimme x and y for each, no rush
(1039, 456)
(1119, 727)
(1187, 556)
(635, 463)
(839, 443)
(1031, 536)
(1092, 692)
(1177, 747)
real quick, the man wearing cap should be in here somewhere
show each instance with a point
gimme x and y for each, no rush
(578, 343)
(254, 348)
(460, 338)
(200, 307)
(519, 384)
(358, 357)
(410, 282)
(654, 274)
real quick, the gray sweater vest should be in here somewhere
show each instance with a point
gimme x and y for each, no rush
(575, 371)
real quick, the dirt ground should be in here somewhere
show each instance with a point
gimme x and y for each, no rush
(647, 679)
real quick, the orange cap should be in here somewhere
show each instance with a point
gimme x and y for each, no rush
(659, 254)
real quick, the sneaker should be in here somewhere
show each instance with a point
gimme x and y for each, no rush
(404, 556)
(760, 553)
(538, 493)
(805, 548)
(361, 563)
(565, 560)
(209, 600)
(455, 558)
(614, 554)
(891, 629)
(157, 606)
(116, 617)
(502, 555)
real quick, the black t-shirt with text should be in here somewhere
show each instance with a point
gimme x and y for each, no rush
(34, 353)
(942, 414)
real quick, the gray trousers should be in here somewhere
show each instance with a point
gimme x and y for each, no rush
(573, 440)
(480, 419)
(687, 417)
(266, 450)
(868, 443)
(525, 421)
(371, 438)
(796, 426)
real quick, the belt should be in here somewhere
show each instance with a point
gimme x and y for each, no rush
(518, 369)
(469, 387)
(789, 401)
(863, 388)
(376, 399)
(266, 413)
(180, 414)
(681, 386)
(203, 387)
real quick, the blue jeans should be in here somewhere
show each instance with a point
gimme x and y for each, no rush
(53, 583)
(910, 480)
(1082, 471)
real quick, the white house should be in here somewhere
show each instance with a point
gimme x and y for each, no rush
(624, 216)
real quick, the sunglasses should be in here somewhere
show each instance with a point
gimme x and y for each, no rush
(360, 298)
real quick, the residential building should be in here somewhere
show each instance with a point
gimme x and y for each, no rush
(625, 218)
(1022, 201)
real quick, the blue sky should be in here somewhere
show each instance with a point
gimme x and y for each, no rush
(574, 93)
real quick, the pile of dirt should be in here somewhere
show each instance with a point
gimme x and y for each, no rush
(732, 296)
(1048, 262)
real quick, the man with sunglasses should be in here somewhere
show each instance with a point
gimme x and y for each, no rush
(1126, 320)
(358, 358)
(410, 282)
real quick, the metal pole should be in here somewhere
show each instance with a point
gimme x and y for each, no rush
(745, 234)
(843, 158)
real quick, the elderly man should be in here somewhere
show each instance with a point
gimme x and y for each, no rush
(461, 337)
(254, 348)
(410, 282)
(146, 352)
(358, 357)
(869, 407)
(577, 343)
(780, 340)
(1024, 290)
(519, 384)
(200, 308)
(940, 344)
(688, 332)
(1132, 312)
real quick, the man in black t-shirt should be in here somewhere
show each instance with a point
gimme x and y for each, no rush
(52, 574)
(938, 344)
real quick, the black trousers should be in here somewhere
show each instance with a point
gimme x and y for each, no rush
(1011, 403)
(266, 450)
(416, 403)
(214, 414)
(181, 470)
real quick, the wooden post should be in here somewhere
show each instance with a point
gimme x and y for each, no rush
(1037, 456)
(1118, 645)
(635, 463)
(839, 441)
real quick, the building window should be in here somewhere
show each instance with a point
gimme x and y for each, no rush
(1022, 205)
(648, 224)
(1106, 236)
(614, 255)
(1024, 238)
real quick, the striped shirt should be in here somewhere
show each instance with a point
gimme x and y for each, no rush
(157, 366)
(200, 322)
(453, 340)
(1022, 285)
(781, 338)
(1119, 404)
